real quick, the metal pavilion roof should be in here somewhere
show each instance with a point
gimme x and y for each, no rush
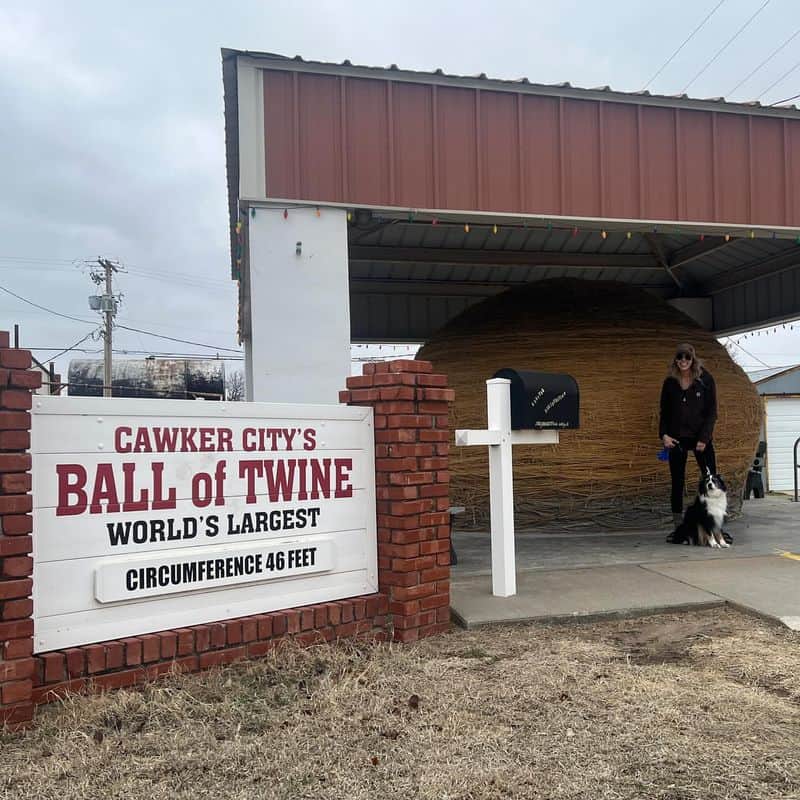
(563, 89)
(409, 276)
(416, 275)
(509, 255)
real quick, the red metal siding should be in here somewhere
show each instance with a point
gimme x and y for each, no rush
(620, 173)
(499, 151)
(368, 172)
(394, 143)
(320, 148)
(767, 171)
(456, 148)
(279, 133)
(658, 164)
(792, 158)
(413, 145)
(696, 153)
(540, 155)
(581, 154)
(733, 166)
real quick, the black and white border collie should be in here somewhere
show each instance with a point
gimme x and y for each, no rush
(702, 522)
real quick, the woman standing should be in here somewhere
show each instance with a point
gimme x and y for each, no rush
(688, 414)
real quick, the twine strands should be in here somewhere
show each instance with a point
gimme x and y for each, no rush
(617, 342)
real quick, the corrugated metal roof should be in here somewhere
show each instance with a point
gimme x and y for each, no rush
(396, 241)
(393, 72)
(761, 375)
(399, 264)
(742, 253)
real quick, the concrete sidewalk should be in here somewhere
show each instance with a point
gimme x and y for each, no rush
(588, 574)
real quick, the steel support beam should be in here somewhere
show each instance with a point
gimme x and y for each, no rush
(441, 255)
(762, 268)
(685, 255)
(661, 256)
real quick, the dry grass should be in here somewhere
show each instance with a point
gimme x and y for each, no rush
(700, 705)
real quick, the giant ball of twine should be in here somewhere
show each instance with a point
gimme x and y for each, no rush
(617, 341)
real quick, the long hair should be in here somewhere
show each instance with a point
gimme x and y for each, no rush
(697, 364)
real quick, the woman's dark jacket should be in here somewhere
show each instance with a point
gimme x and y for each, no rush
(689, 413)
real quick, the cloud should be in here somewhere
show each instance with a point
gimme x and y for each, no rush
(113, 133)
(40, 58)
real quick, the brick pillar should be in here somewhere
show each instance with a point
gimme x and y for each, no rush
(412, 480)
(16, 565)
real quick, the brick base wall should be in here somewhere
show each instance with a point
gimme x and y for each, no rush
(412, 483)
(125, 662)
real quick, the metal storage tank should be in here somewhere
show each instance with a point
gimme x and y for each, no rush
(171, 378)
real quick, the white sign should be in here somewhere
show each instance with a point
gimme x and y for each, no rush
(155, 514)
(146, 577)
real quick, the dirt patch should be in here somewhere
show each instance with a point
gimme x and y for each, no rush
(665, 641)
(697, 705)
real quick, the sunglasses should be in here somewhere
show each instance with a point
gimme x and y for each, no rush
(683, 356)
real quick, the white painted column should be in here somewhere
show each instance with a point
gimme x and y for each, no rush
(252, 154)
(299, 344)
(501, 489)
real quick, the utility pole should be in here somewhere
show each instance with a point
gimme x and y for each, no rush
(107, 305)
(109, 315)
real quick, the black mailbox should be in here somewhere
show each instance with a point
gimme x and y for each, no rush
(541, 400)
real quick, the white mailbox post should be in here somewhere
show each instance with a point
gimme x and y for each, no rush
(500, 439)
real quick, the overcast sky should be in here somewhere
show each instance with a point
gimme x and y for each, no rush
(112, 139)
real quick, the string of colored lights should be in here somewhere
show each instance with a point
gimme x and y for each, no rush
(495, 228)
(574, 230)
(766, 330)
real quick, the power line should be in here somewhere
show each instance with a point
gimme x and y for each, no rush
(736, 344)
(189, 356)
(41, 260)
(786, 100)
(80, 349)
(182, 341)
(124, 327)
(44, 308)
(683, 44)
(782, 77)
(180, 278)
(765, 61)
(391, 357)
(155, 353)
(181, 327)
(32, 268)
(726, 45)
(80, 341)
(202, 357)
(62, 265)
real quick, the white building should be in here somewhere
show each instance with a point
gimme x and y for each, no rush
(780, 388)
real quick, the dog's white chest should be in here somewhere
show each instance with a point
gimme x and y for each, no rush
(716, 507)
